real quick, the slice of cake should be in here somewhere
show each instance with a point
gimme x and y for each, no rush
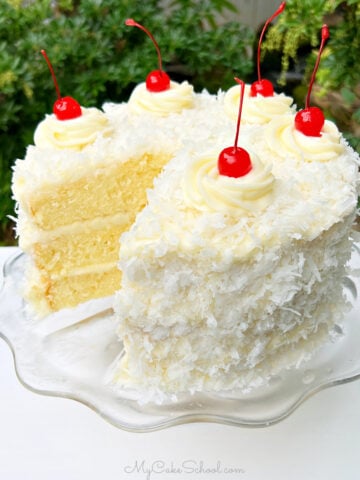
(228, 280)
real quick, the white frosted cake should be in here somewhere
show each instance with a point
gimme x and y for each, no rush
(222, 281)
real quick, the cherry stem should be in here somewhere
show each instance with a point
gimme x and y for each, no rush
(131, 23)
(242, 91)
(269, 20)
(325, 34)
(43, 52)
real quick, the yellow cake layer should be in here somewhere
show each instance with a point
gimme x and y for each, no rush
(49, 294)
(120, 189)
(84, 248)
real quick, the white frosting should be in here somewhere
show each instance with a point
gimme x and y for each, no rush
(178, 97)
(206, 190)
(256, 110)
(73, 134)
(285, 140)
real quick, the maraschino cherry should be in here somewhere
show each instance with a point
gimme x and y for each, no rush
(235, 161)
(157, 80)
(311, 120)
(65, 108)
(262, 86)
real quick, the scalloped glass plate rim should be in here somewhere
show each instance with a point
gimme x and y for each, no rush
(260, 407)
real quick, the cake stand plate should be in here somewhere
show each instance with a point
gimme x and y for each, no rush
(68, 354)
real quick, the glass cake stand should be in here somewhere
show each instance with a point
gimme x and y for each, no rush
(68, 354)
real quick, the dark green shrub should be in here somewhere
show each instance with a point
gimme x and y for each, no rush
(97, 58)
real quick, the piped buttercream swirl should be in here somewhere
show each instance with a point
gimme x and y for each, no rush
(178, 97)
(256, 110)
(284, 140)
(206, 190)
(73, 134)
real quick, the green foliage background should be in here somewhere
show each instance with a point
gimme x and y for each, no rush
(97, 58)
